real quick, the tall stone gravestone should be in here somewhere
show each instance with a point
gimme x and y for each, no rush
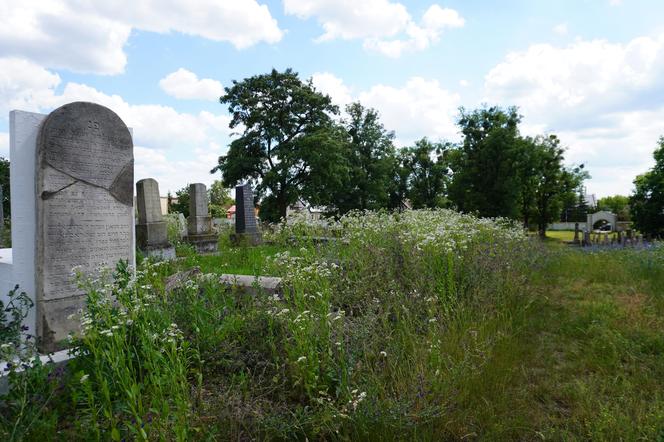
(246, 229)
(200, 233)
(151, 230)
(85, 213)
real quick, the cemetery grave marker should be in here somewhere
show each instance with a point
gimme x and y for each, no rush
(200, 233)
(84, 211)
(246, 228)
(151, 230)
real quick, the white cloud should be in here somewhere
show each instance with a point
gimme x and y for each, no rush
(464, 83)
(89, 36)
(560, 29)
(419, 108)
(601, 98)
(184, 84)
(333, 86)
(160, 132)
(175, 174)
(23, 84)
(350, 19)
(385, 26)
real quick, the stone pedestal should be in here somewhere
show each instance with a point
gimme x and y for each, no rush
(199, 225)
(151, 230)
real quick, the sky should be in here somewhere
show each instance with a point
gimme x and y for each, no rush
(589, 71)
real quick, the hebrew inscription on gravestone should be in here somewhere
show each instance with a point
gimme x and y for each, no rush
(85, 175)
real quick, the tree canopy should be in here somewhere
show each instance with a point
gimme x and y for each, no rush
(288, 138)
(647, 201)
(618, 204)
(294, 145)
(484, 180)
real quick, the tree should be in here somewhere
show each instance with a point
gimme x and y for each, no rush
(182, 204)
(400, 181)
(288, 141)
(220, 199)
(367, 166)
(545, 182)
(428, 173)
(618, 204)
(647, 201)
(485, 169)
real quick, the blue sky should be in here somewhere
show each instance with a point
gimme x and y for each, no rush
(589, 71)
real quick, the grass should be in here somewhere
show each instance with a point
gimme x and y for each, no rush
(420, 326)
(561, 235)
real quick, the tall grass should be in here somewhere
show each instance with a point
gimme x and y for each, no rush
(424, 325)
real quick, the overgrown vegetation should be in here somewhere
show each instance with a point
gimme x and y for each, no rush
(425, 325)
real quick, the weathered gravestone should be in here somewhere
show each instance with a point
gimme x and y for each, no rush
(151, 230)
(246, 228)
(200, 233)
(85, 214)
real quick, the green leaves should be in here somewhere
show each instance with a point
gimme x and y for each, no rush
(281, 117)
(647, 201)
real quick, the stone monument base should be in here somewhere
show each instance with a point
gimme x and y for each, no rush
(249, 239)
(206, 243)
(164, 252)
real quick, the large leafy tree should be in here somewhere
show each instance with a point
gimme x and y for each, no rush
(220, 199)
(618, 204)
(428, 170)
(288, 139)
(486, 178)
(546, 183)
(368, 164)
(647, 201)
(181, 203)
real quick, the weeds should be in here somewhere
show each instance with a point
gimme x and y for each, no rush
(424, 325)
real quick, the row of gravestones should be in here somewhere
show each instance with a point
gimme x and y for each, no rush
(71, 182)
(626, 238)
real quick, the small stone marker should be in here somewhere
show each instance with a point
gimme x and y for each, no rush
(246, 229)
(253, 285)
(151, 230)
(200, 233)
(586, 238)
(85, 213)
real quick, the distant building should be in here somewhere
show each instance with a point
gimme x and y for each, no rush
(312, 213)
(591, 200)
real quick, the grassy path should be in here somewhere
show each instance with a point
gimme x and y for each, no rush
(589, 362)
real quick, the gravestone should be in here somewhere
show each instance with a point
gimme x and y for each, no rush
(182, 225)
(576, 233)
(246, 228)
(84, 210)
(151, 230)
(586, 238)
(200, 233)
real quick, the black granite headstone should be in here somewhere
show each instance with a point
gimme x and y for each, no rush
(246, 229)
(245, 217)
